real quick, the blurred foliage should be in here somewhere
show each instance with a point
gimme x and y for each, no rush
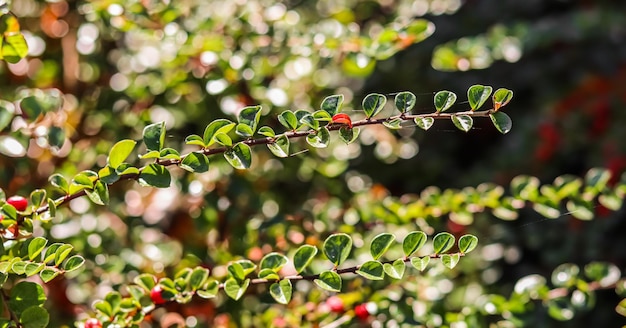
(100, 71)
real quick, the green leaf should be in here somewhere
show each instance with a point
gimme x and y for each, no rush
(49, 273)
(19, 267)
(114, 299)
(405, 101)
(281, 291)
(337, 247)
(148, 155)
(32, 269)
(169, 153)
(450, 260)
(195, 162)
(319, 138)
(393, 124)
(462, 122)
(210, 290)
(332, 104)
(580, 209)
(9, 212)
(99, 194)
(249, 116)
(108, 175)
(195, 139)
(501, 97)
(322, 116)
(62, 253)
(240, 156)
(501, 121)
(56, 137)
(38, 197)
(120, 152)
(73, 263)
(223, 139)
(310, 121)
(51, 252)
(467, 243)
(330, 281)
(444, 100)
(60, 182)
(268, 274)
(127, 169)
(14, 47)
(234, 290)
(280, 146)
(266, 131)
(274, 261)
(83, 180)
(218, 126)
(146, 281)
(413, 242)
(303, 257)
(348, 135)
(442, 242)
(420, 263)
(396, 269)
(154, 136)
(35, 317)
(198, 277)
(36, 246)
(380, 244)
(25, 295)
(477, 95)
(7, 113)
(373, 104)
(104, 307)
(155, 175)
(247, 265)
(372, 270)
(31, 107)
(244, 130)
(288, 119)
(424, 122)
(236, 271)
(610, 199)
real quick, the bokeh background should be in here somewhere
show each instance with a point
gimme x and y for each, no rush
(121, 65)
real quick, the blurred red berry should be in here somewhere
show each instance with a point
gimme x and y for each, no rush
(93, 323)
(361, 311)
(20, 203)
(335, 303)
(156, 294)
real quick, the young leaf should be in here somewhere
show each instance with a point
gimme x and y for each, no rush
(442, 242)
(99, 194)
(310, 121)
(348, 135)
(337, 247)
(195, 162)
(62, 253)
(405, 101)
(146, 281)
(198, 277)
(236, 271)
(319, 138)
(322, 116)
(467, 243)
(155, 175)
(247, 265)
(234, 290)
(36, 246)
(268, 274)
(477, 95)
(288, 119)
(462, 122)
(413, 242)
(380, 244)
(372, 270)
(393, 124)
(249, 116)
(424, 122)
(444, 100)
(501, 97)
(501, 121)
(280, 146)
(266, 131)
(274, 261)
(373, 104)
(223, 139)
(396, 269)
(195, 139)
(154, 136)
(60, 182)
(330, 281)
(169, 153)
(120, 151)
(450, 260)
(281, 291)
(215, 127)
(303, 257)
(240, 156)
(420, 263)
(332, 104)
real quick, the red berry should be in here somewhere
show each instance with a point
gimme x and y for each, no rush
(342, 119)
(20, 203)
(156, 294)
(335, 303)
(93, 323)
(361, 311)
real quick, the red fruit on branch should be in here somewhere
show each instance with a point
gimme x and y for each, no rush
(335, 303)
(156, 294)
(20, 203)
(342, 119)
(93, 323)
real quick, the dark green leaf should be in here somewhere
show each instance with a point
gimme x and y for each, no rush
(61, 254)
(244, 130)
(56, 137)
(424, 122)
(501, 97)
(372, 270)
(9, 212)
(108, 175)
(380, 244)
(169, 153)
(38, 197)
(31, 107)
(337, 247)
(467, 243)
(36, 246)
(240, 156)
(268, 274)
(198, 277)
(120, 152)
(288, 119)
(210, 290)
(348, 135)
(47, 274)
(413, 242)
(274, 261)
(249, 116)
(35, 317)
(477, 95)
(25, 295)
(154, 136)
(236, 271)
(155, 175)
(280, 146)
(405, 101)
(501, 121)
(60, 182)
(396, 269)
(332, 104)
(462, 122)
(195, 162)
(51, 252)
(303, 257)
(442, 242)
(444, 100)
(146, 281)
(420, 263)
(281, 291)
(310, 121)
(99, 194)
(234, 290)
(330, 281)
(73, 263)
(450, 260)
(373, 104)
(319, 138)
(393, 124)
(215, 127)
(104, 307)
(114, 299)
